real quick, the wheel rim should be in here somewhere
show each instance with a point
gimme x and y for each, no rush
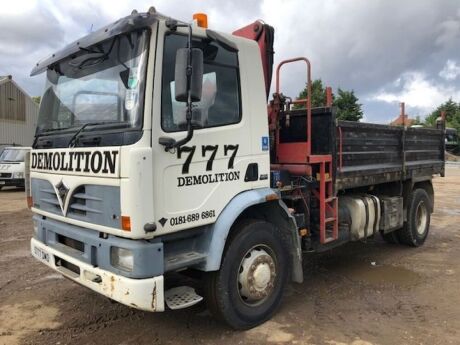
(256, 275)
(421, 218)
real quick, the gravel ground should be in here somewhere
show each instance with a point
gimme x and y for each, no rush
(361, 293)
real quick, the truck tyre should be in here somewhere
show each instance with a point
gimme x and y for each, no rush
(416, 228)
(248, 288)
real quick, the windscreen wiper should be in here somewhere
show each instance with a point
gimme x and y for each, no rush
(47, 131)
(42, 133)
(73, 140)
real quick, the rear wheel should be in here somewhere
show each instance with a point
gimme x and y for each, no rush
(248, 288)
(416, 228)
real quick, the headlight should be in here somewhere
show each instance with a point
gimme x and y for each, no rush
(18, 175)
(122, 258)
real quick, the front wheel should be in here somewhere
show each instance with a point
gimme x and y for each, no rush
(248, 288)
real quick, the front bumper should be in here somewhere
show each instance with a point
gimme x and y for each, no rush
(145, 294)
(17, 182)
(89, 247)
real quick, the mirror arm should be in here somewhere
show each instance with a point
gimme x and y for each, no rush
(187, 138)
(171, 143)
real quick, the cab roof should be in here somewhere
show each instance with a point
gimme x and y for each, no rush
(133, 22)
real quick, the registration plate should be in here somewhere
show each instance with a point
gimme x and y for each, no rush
(2, 182)
(41, 254)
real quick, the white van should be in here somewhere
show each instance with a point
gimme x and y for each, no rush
(12, 166)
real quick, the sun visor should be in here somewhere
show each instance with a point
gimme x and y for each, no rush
(127, 24)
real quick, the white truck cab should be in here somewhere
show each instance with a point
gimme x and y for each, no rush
(12, 166)
(114, 208)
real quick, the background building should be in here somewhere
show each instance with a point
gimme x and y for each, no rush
(403, 119)
(18, 114)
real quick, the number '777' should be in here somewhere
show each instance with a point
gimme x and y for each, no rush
(206, 150)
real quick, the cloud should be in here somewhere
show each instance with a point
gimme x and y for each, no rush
(449, 30)
(420, 93)
(26, 32)
(362, 44)
(373, 47)
(450, 71)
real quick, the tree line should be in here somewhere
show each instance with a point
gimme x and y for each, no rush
(349, 108)
(346, 102)
(452, 110)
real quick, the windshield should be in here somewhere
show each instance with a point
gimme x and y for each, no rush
(103, 83)
(12, 155)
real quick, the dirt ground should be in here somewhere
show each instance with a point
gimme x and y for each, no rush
(361, 293)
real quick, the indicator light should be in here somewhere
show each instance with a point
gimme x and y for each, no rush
(126, 223)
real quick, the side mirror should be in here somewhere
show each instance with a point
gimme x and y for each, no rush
(196, 77)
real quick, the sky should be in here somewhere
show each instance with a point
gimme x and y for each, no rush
(387, 51)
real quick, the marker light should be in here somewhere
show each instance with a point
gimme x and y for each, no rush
(201, 20)
(126, 223)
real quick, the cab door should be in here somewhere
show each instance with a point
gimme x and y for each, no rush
(193, 183)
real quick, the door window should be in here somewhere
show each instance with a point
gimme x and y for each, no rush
(220, 101)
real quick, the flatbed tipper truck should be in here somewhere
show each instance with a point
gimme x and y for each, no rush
(155, 158)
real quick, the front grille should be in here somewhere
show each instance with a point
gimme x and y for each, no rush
(70, 242)
(78, 202)
(49, 197)
(5, 175)
(95, 204)
(90, 203)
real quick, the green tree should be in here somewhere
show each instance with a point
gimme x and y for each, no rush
(346, 102)
(347, 105)
(36, 99)
(452, 110)
(318, 92)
